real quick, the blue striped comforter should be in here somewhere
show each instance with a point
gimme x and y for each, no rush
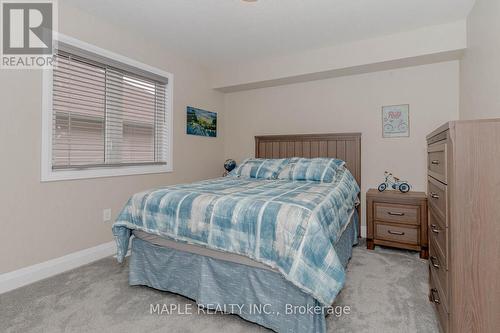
(291, 226)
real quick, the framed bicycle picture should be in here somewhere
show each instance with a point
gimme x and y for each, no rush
(396, 121)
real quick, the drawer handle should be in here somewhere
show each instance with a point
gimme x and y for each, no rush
(433, 262)
(434, 195)
(435, 162)
(434, 229)
(396, 214)
(435, 296)
(399, 233)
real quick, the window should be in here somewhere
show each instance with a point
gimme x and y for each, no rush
(106, 115)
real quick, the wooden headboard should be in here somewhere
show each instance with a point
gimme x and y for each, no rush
(344, 146)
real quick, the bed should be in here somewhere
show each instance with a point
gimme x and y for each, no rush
(224, 242)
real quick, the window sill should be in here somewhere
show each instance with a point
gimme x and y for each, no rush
(59, 175)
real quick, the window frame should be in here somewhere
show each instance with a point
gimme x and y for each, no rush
(47, 172)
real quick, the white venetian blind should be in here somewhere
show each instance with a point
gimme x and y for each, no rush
(106, 116)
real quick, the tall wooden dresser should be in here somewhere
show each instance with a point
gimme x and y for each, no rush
(464, 225)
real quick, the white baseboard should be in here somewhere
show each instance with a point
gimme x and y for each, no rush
(30, 274)
(24, 276)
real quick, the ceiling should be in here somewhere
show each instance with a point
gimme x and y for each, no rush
(214, 32)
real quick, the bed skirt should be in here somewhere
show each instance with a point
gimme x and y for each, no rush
(255, 294)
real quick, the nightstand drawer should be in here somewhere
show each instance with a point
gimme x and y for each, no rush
(397, 233)
(397, 220)
(437, 197)
(396, 213)
(436, 161)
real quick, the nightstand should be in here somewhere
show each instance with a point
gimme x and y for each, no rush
(397, 219)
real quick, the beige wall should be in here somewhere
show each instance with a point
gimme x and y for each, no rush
(351, 104)
(480, 66)
(41, 221)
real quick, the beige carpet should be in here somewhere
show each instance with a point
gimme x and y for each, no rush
(386, 291)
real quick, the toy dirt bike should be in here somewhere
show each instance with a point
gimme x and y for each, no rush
(394, 182)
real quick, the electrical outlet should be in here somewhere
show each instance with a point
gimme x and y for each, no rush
(106, 215)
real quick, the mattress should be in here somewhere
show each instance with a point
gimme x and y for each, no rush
(195, 249)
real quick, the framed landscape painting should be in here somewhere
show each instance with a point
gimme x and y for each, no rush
(201, 122)
(396, 121)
